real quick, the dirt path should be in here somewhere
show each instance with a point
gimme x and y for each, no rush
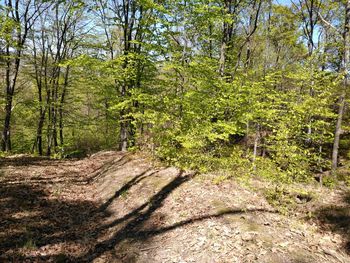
(115, 207)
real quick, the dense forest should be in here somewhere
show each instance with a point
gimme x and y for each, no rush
(250, 86)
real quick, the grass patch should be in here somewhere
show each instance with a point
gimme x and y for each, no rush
(285, 200)
(29, 244)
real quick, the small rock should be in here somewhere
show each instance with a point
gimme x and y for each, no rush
(337, 239)
(284, 244)
(328, 251)
(248, 237)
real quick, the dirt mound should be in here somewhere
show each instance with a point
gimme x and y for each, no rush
(116, 207)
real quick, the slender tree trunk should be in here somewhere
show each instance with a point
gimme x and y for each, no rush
(256, 145)
(18, 12)
(124, 125)
(10, 89)
(210, 27)
(129, 16)
(49, 121)
(338, 130)
(6, 141)
(123, 146)
(123, 136)
(38, 144)
(63, 95)
(341, 102)
(6, 135)
(230, 9)
(253, 25)
(52, 139)
(222, 60)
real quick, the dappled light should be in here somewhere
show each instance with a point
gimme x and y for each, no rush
(336, 218)
(175, 131)
(59, 221)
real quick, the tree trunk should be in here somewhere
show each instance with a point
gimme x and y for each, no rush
(123, 133)
(63, 95)
(341, 110)
(123, 146)
(20, 15)
(6, 139)
(222, 60)
(38, 144)
(6, 135)
(10, 89)
(338, 130)
(129, 17)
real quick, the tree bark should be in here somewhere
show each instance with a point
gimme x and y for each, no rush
(24, 16)
(342, 97)
(62, 101)
(130, 9)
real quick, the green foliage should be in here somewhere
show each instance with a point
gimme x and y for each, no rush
(329, 182)
(280, 199)
(285, 199)
(269, 112)
(29, 244)
(194, 125)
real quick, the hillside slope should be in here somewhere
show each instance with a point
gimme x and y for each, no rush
(117, 207)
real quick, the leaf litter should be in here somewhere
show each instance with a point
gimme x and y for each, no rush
(119, 207)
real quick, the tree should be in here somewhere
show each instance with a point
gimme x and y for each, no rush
(19, 17)
(343, 92)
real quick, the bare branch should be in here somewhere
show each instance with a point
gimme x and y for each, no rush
(326, 23)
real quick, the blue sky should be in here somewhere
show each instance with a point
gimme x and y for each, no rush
(283, 2)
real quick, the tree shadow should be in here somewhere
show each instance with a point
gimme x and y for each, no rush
(112, 166)
(68, 177)
(135, 180)
(25, 161)
(136, 229)
(31, 218)
(336, 218)
(137, 217)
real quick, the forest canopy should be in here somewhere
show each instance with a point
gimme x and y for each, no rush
(251, 86)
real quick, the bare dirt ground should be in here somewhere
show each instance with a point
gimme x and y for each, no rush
(117, 207)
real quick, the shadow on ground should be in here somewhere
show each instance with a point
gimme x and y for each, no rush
(67, 177)
(30, 220)
(25, 161)
(336, 218)
(136, 229)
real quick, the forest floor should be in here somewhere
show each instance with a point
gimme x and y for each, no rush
(117, 207)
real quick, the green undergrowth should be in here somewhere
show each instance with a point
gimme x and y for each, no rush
(343, 174)
(234, 162)
(4, 154)
(281, 181)
(285, 199)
